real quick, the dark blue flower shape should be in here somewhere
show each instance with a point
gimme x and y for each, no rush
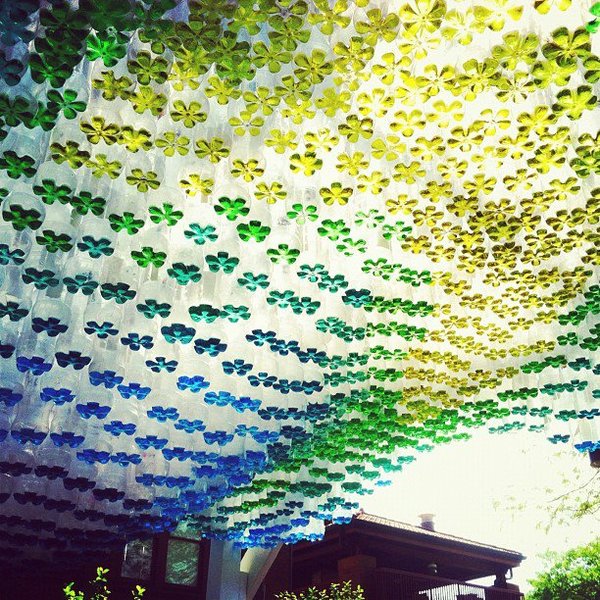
(28, 436)
(10, 398)
(190, 426)
(205, 471)
(212, 346)
(160, 363)
(311, 354)
(73, 358)
(217, 437)
(29, 498)
(162, 414)
(194, 384)
(7, 256)
(266, 436)
(116, 428)
(40, 279)
(312, 386)
(34, 365)
(260, 337)
(177, 453)
(137, 505)
(51, 326)
(262, 379)
(243, 430)
(268, 413)
(50, 473)
(6, 350)
(123, 459)
(109, 379)
(238, 366)
(151, 441)
(67, 438)
(219, 398)
(101, 330)
(282, 386)
(110, 494)
(134, 390)
(246, 403)
(91, 456)
(178, 332)
(92, 409)
(60, 506)
(59, 396)
(134, 341)
(13, 311)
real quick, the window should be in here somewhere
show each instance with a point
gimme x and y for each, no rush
(182, 562)
(137, 560)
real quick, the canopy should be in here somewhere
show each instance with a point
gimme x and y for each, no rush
(256, 255)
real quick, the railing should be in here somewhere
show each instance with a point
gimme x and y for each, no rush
(398, 585)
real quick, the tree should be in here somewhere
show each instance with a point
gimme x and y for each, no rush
(334, 592)
(574, 575)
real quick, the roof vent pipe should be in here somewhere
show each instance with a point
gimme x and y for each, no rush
(427, 521)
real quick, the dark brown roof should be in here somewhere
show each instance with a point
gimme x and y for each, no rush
(436, 536)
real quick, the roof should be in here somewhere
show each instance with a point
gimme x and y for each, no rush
(436, 536)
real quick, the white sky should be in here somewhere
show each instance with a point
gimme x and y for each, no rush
(461, 483)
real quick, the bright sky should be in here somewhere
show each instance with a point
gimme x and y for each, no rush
(463, 482)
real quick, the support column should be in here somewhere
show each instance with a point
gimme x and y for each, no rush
(225, 580)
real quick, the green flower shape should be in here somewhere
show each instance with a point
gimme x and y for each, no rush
(221, 262)
(84, 203)
(333, 230)
(254, 282)
(184, 274)
(152, 309)
(199, 234)
(125, 222)
(283, 254)
(54, 242)
(149, 257)
(95, 248)
(147, 69)
(16, 166)
(254, 230)
(166, 213)
(231, 208)
(301, 213)
(66, 103)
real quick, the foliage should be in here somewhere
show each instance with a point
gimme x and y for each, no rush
(345, 591)
(98, 589)
(575, 575)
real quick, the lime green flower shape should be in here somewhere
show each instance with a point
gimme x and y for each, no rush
(308, 163)
(253, 230)
(544, 6)
(422, 16)
(222, 90)
(539, 120)
(147, 69)
(184, 75)
(516, 49)
(573, 102)
(231, 208)
(409, 173)
(143, 181)
(97, 130)
(113, 87)
(280, 142)
(353, 165)
(313, 68)
(271, 56)
(378, 27)
(298, 109)
(166, 213)
(172, 143)
(567, 46)
(54, 242)
(371, 219)
(548, 157)
(149, 257)
(399, 231)
(245, 16)
(477, 77)
(50, 192)
(184, 274)
(355, 128)
(101, 166)
(329, 18)
(213, 149)
(333, 230)
(354, 56)
(287, 31)
(406, 122)
(199, 234)
(246, 123)
(333, 100)
(391, 148)
(349, 247)
(69, 153)
(108, 48)
(336, 193)
(125, 222)
(145, 98)
(43, 118)
(248, 170)
(322, 139)
(460, 26)
(377, 103)
(283, 254)
(301, 214)
(222, 262)
(592, 64)
(190, 115)
(135, 139)
(261, 100)
(546, 73)
(495, 18)
(66, 103)
(16, 166)
(374, 183)
(270, 193)
(391, 68)
(195, 184)
(292, 88)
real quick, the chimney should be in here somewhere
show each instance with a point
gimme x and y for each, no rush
(427, 521)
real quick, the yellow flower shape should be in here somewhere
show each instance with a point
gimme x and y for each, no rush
(427, 148)
(333, 100)
(401, 204)
(280, 142)
(378, 27)
(422, 15)
(270, 193)
(495, 16)
(408, 173)
(460, 26)
(523, 178)
(464, 138)
(247, 170)
(406, 122)
(391, 148)
(434, 191)
(377, 103)
(336, 193)
(491, 121)
(443, 113)
(190, 115)
(373, 183)
(452, 168)
(548, 157)
(261, 100)
(354, 164)
(321, 139)
(430, 216)
(391, 68)
(194, 184)
(313, 68)
(298, 109)
(355, 55)
(355, 128)
(480, 184)
(307, 163)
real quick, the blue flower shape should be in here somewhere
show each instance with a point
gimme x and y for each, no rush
(194, 384)
(51, 326)
(13, 311)
(284, 348)
(59, 396)
(73, 358)
(50, 473)
(28, 435)
(10, 398)
(221, 438)
(219, 398)
(190, 426)
(91, 456)
(312, 386)
(163, 414)
(101, 330)
(67, 438)
(260, 337)
(243, 430)
(246, 403)
(34, 365)
(311, 354)
(178, 332)
(160, 363)
(262, 379)
(82, 484)
(268, 413)
(95, 248)
(357, 298)
(151, 441)
(116, 428)
(265, 436)
(135, 342)
(238, 366)
(110, 494)
(109, 379)
(212, 346)
(92, 409)
(123, 459)
(134, 390)
(177, 453)
(40, 279)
